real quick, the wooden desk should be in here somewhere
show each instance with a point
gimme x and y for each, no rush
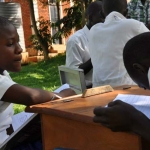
(70, 124)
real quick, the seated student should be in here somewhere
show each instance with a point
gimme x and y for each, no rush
(77, 48)
(11, 92)
(107, 41)
(120, 116)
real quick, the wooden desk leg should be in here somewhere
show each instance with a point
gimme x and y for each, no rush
(61, 132)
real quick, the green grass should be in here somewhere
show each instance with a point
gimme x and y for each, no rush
(42, 75)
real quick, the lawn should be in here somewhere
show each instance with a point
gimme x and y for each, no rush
(42, 75)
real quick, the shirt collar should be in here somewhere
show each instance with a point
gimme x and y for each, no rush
(114, 16)
(86, 32)
(5, 73)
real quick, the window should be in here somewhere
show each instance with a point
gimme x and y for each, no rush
(53, 16)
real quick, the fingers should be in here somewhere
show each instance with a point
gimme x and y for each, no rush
(119, 129)
(116, 102)
(115, 116)
(104, 121)
(67, 92)
(111, 104)
(100, 119)
(99, 110)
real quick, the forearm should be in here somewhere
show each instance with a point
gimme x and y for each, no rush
(27, 96)
(141, 126)
(87, 66)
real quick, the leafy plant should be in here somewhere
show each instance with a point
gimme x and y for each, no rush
(44, 31)
(74, 18)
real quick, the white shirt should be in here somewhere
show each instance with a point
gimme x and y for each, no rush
(6, 109)
(77, 50)
(107, 41)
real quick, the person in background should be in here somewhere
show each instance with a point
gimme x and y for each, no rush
(107, 41)
(11, 92)
(77, 48)
(120, 116)
(140, 10)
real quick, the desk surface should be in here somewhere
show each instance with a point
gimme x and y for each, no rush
(75, 118)
(81, 109)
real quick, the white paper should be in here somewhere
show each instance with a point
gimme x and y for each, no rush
(64, 86)
(19, 119)
(140, 102)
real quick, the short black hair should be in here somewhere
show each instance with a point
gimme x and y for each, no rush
(94, 8)
(4, 22)
(136, 50)
(114, 5)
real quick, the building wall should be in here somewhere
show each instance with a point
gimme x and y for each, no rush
(42, 11)
(25, 19)
(45, 12)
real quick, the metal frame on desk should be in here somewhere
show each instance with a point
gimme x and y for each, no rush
(74, 77)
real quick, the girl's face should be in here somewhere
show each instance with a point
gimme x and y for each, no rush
(10, 50)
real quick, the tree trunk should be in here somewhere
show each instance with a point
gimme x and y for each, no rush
(40, 40)
(84, 5)
(58, 16)
(83, 13)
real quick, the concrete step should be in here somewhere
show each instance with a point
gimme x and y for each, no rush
(32, 55)
(25, 56)
(40, 58)
(60, 48)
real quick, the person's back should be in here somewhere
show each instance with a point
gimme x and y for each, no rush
(108, 39)
(80, 38)
(77, 48)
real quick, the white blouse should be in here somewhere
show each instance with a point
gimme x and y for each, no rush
(6, 109)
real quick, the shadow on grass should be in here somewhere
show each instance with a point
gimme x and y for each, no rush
(42, 75)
